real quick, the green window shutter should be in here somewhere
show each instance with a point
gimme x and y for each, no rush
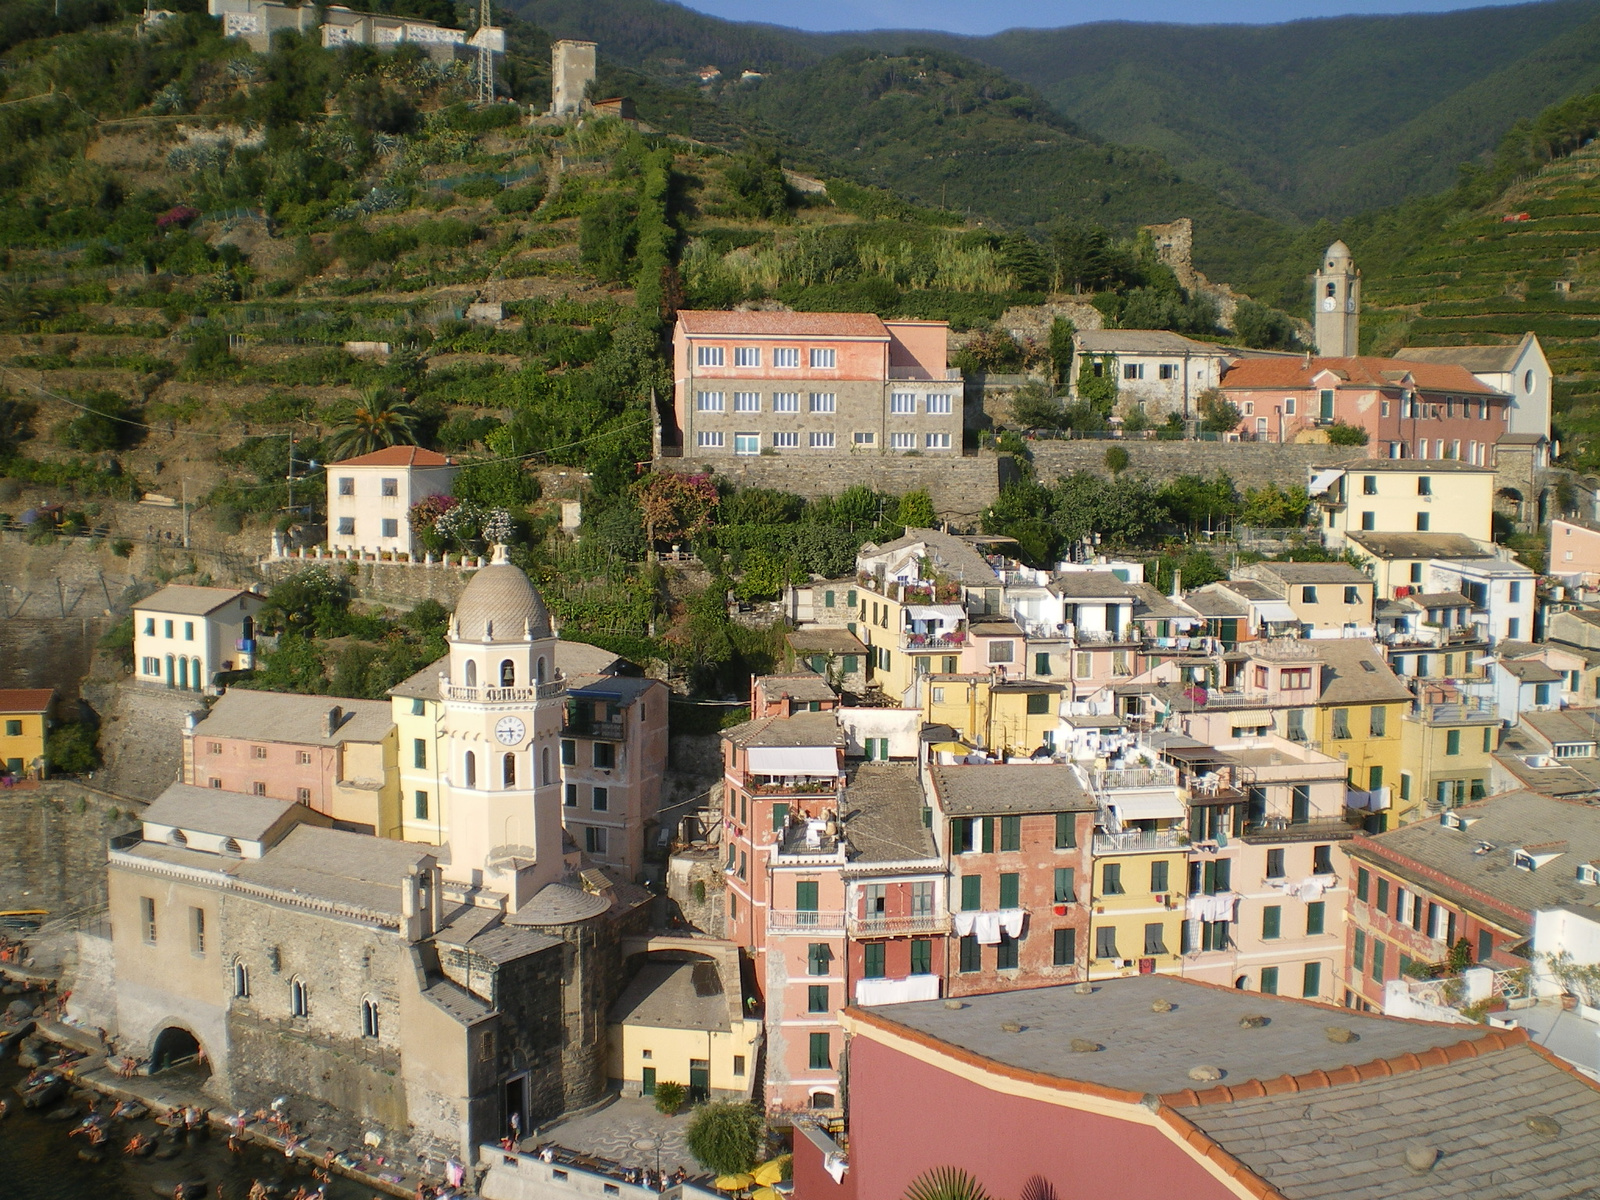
(851, 664)
(1363, 884)
(1377, 959)
(1488, 730)
(971, 954)
(1452, 741)
(780, 817)
(1066, 885)
(971, 892)
(419, 753)
(1311, 983)
(1374, 778)
(1271, 920)
(1358, 955)
(821, 1058)
(1041, 664)
(1038, 704)
(1011, 833)
(921, 956)
(1383, 895)
(1315, 916)
(1066, 831)
(1158, 877)
(827, 599)
(1269, 981)
(1111, 879)
(872, 960)
(805, 895)
(988, 835)
(1009, 889)
(817, 998)
(1066, 947)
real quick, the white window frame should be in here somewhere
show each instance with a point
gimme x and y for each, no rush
(747, 356)
(709, 439)
(821, 439)
(936, 441)
(709, 356)
(864, 437)
(824, 402)
(710, 401)
(747, 402)
(747, 444)
(902, 402)
(785, 439)
(940, 405)
(785, 401)
(786, 356)
(824, 358)
(902, 441)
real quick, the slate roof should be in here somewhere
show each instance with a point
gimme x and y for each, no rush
(1212, 601)
(1294, 573)
(826, 639)
(700, 323)
(301, 720)
(1565, 725)
(674, 995)
(1252, 589)
(802, 685)
(953, 556)
(424, 685)
(580, 658)
(1146, 1052)
(189, 601)
(1487, 360)
(1440, 600)
(1530, 670)
(624, 689)
(1141, 341)
(225, 814)
(1092, 585)
(1345, 680)
(346, 868)
(801, 729)
(1149, 604)
(1348, 1141)
(883, 815)
(973, 790)
(1418, 545)
(1507, 821)
(1569, 778)
(1412, 466)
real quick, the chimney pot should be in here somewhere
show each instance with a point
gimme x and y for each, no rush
(335, 718)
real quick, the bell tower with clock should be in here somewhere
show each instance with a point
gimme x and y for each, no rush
(500, 756)
(1336, 304)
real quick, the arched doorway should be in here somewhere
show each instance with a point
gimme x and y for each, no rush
(176, 1047)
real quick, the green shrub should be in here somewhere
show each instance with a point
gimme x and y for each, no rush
(122, 548)
(73, 748)
(725, 1138)
(670, 1097)
(1340, 434)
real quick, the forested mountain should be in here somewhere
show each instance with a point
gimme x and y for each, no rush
(1296, 121)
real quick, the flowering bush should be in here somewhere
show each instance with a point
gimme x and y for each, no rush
(177, 217)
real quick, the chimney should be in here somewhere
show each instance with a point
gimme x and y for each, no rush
(335, 719)
(1177, 583)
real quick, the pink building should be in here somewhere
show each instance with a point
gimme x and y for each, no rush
(1409, 409)
(336, 756)
(1575, 550)
(752, 383)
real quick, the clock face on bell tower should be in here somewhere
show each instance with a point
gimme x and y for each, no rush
(509, 731)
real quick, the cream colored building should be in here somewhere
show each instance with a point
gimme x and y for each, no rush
(370, 498)
(684, 1022)
(184, 636)
(1327, 599)
(1403, 495)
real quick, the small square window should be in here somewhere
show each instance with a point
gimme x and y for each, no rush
(347, 526)
(390, 487)
(347, 485)
(864, 438)
(786, 356)
(824, 360)
(708, 356)
(391, 527)
(824, 402)
(747, 356)
(902, 441)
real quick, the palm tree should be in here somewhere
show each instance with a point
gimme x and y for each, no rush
(379, 418)
(945, 1183)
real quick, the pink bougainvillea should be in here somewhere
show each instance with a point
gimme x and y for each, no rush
(178, 217)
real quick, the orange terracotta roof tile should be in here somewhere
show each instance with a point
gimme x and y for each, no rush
(397, 456)
(781, 324)
(1363, 372)
(26, 700)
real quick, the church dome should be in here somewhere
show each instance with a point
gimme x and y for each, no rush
(500, 604)
(1338, 250)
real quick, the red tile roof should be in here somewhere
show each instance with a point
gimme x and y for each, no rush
(399, 456)
(26, 700)
(781, 324)
(1370, 372)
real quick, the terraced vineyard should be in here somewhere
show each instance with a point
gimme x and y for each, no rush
(1484, 279)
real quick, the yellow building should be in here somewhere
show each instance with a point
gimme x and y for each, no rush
(24, 725)
(1404, 495)
(675, 1023)
(419, 733)
(1446, 758)
(1326, 598)
(1398, 562)
(1139, 870)
(1014, 718)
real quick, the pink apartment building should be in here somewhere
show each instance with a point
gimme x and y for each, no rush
(1409, 409)
(336, 756)
(810, 384)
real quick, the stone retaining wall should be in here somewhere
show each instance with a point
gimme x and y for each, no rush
(1250, 464)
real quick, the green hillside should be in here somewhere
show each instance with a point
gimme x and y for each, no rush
(1297, 121)
(1482, 279)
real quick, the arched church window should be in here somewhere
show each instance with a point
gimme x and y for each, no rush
(1333, 289)
(508, 673)
(472, 769)
(508, 771)
(544, 766)
(541, 670)
(472, 673)
(299, 999)
(369, 1018)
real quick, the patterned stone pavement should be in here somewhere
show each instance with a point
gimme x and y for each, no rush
(612, 1131)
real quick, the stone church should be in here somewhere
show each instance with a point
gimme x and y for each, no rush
(430, 992)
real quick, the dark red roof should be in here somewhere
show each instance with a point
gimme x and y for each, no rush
(781, 324)
(26, 700)
(398, 456)
(1366, 372)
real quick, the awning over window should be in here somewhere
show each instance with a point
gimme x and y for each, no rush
(1149, 806)
(1275, 610)
(793, 760)
(936, 612)
(1323, 480)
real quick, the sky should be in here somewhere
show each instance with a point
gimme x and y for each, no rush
(991, 16)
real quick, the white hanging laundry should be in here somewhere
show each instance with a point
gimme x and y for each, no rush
(1011, 921)
(964, 922)
(987, 927)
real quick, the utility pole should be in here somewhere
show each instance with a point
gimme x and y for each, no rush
(485, 71)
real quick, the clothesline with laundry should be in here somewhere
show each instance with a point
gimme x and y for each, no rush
(988, 926)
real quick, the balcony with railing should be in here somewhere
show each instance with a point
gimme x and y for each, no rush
(925, 924)
(1277, 828)
(805, 920)
(1137, 841)
(587, 727)
(1469, 710)
(1114, 778)
(792, 785)
(503, 695)
(911, 641)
